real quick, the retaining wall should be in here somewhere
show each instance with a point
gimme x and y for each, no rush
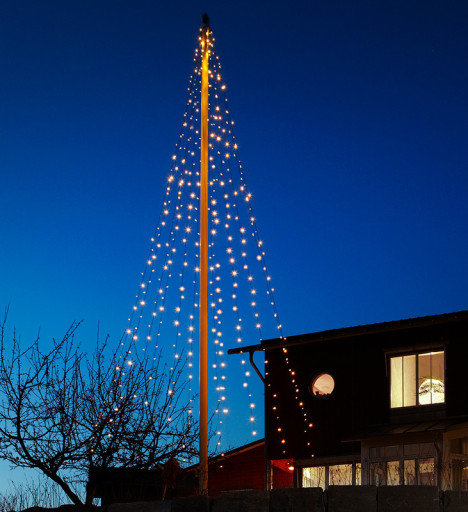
(366, 498)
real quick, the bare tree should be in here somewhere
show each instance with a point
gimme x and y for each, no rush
(64, 414)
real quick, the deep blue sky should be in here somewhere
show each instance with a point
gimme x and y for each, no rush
(352, 122)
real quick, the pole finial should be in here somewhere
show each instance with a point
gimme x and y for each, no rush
(206, 21)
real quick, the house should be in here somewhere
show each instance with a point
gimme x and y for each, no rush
(382, 404)
(244, 468)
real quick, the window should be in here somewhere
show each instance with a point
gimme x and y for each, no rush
(426, 472)
(314, 477)
(403, 472)
(409, 472)
(459, 456)
(460, 475)
(417, 379)
(377, 473)
(393, 472)
(340, 474)
(409, 464)
(322, 385)
(336, 474)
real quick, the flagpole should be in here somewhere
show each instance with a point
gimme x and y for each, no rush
(203, 479)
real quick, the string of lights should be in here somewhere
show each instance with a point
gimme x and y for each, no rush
(242, 307)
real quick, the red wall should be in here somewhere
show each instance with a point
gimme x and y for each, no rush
(239, 471)
(246, 470)
(282, 475)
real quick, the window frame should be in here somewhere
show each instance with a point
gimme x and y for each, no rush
(314, 379)
(416, 352)
(418, 453)
(400, 472)
(356, 473)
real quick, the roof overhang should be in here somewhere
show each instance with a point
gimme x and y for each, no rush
(350, 332)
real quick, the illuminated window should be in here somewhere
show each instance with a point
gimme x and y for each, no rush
(460, 475)
(426, 472)
(409, 472)
(340, 474)
(417, 379)
(377, 473)
(358, 473)
(335, 474)
(409, 464)
(314, 477)
(322, 385)
(393, 472)
(403, 472)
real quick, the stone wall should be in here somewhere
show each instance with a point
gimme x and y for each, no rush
(335, 499)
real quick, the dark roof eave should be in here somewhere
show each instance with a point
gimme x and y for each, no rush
(348, 332)
(419, 428)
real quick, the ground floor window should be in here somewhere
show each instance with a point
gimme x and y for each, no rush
(403, 472)
(460, 475)
(333, 474)
(408, 464)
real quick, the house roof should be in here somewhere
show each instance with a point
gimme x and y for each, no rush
(239, 449)
(348, 332)
(234, 451)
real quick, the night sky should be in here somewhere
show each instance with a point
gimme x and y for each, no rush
(351, 117)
